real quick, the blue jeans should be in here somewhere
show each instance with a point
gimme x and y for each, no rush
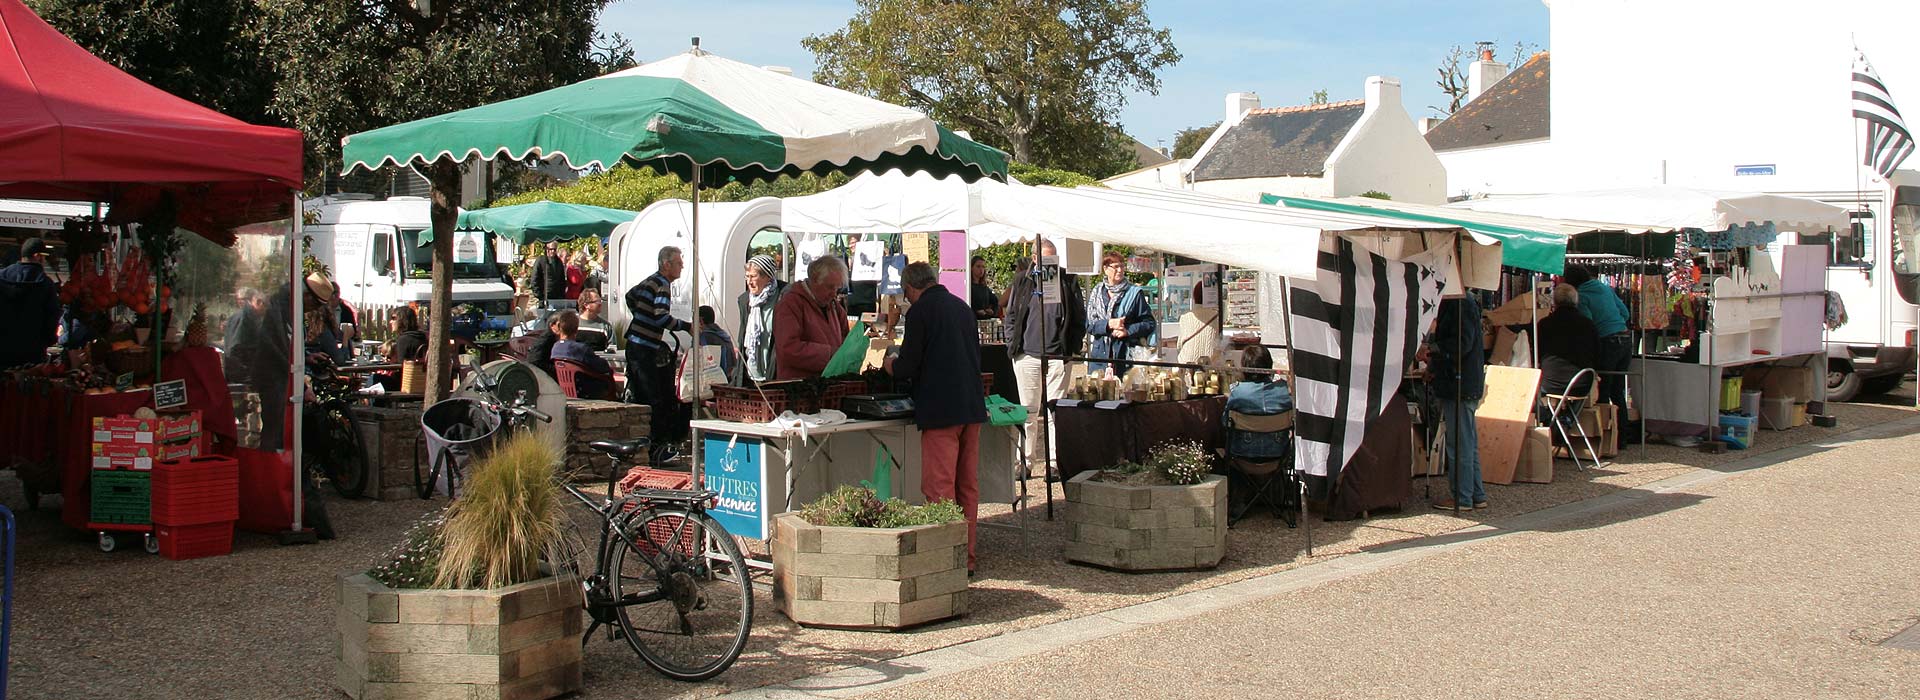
(1463, 450)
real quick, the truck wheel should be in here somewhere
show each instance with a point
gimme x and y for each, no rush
(1881, 384)
(1842, 383)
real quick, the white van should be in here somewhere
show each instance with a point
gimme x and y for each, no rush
(374, 251)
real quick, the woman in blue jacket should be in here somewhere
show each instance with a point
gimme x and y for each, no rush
(1118, 316)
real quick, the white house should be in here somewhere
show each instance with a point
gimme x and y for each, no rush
(1497, 142)
(1337, 149)
(1719, 94)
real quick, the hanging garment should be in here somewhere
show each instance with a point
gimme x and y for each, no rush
(1653, 306)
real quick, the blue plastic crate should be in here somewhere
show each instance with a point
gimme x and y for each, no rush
(1737, 430)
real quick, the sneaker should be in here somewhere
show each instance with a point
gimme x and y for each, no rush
(1481, 505)
(1447, 505)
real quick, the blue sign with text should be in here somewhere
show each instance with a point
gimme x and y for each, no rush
(1747, 170)
(737, 471)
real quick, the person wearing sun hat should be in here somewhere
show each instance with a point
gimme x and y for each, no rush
(323, 323)
(764, 289)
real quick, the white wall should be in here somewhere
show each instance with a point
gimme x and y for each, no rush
(1506, 169)
(1385, 151)
(1646, 89)
(1166, 175)
(1250, 189)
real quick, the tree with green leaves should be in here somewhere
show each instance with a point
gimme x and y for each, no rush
(205, 51)
(1042, 79)
(1188, 141)
(347, 66)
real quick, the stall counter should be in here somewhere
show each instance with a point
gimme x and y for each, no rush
(763, 470)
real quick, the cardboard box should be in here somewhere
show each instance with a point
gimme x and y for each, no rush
(1792, 383)
(125, 430)
(178, 450)
(119, 455)
(1536, 459)
(181, 425)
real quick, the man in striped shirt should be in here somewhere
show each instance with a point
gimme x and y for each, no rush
(651, 354)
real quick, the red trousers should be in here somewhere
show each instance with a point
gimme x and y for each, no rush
(950, 471)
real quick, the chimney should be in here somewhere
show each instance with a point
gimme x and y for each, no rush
(1427, 124)
(1239, 103)
(1483, 73)
(1383, 93)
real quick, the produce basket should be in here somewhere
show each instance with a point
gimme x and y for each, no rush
(137, 361)
(749, 405)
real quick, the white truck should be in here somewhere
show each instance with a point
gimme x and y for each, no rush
(374, 250)
(1875, 268)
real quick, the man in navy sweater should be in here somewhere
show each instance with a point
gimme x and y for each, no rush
(940, 354)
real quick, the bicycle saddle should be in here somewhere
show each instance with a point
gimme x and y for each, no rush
(622, 448)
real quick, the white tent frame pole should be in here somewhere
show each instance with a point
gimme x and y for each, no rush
(297, 359)
(693, 262)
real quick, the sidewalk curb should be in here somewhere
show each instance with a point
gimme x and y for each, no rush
(982, 653)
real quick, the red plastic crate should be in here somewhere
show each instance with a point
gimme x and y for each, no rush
(196, 491)
(179, 542)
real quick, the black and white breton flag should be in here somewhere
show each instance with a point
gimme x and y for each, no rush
(1355, 329)
(1888, 141)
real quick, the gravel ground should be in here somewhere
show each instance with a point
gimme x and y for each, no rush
(1778, 583)
(256, 624)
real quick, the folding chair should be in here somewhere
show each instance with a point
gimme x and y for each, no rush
(1563, 413)
(1261, 470)
(569, 372)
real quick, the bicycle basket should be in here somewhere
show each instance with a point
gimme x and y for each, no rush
(457, 431)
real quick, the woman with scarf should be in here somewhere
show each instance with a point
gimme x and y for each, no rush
(1118, 316)
(756, 317)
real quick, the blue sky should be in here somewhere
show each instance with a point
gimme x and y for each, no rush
(1281, 49)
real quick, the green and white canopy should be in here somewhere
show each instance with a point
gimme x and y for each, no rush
(542, 221)
(736, 121)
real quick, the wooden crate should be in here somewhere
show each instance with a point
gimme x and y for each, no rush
(869, 578)
(1134, 528)
(516, 643)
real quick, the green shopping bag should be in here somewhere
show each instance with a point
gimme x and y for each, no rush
(882, 482)
(852, 352)
(1002, 412)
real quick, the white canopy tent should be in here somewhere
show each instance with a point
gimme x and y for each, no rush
(1665, 208)
(896, 202)
(1271, 239)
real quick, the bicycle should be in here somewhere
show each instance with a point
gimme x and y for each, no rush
(666, 577)
(335, 449)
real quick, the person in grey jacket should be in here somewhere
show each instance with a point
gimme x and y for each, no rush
(764, 289)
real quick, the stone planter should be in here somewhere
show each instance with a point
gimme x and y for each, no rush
(1146, 528)
(517, 642)
(869, 578)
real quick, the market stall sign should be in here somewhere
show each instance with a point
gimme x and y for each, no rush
(736, 471)
(171, 394)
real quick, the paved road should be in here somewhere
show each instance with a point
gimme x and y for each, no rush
(1773, 583)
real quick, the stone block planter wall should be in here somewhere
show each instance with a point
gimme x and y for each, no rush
(392, 439)
(514, 643)
(869, 578)
(588, 421)
(1146, 528)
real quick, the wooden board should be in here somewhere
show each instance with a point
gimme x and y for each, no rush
(1504, 419)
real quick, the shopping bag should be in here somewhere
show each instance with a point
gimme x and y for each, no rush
(852, 351)
(710, 373)
(1002, 412)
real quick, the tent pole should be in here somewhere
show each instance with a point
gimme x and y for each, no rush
(693, 261)
(297, 361)
(1286, 326)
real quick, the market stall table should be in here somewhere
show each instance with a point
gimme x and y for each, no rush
(71, 421)
(775, 469)
(1099, 435)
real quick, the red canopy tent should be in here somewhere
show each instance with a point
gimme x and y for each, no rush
(73, 127)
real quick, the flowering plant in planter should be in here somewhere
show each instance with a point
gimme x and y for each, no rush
(851, 559)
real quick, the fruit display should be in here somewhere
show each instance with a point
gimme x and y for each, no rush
(100, 283)
(197, 327)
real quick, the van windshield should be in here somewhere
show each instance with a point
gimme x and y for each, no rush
(472, 253)
(1906, 250)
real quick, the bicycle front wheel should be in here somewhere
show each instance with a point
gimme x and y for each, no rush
(684, 593)
(347, 458)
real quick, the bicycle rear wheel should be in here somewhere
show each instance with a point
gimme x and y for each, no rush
(698, 593)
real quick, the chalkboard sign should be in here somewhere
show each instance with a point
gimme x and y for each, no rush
(171, 394)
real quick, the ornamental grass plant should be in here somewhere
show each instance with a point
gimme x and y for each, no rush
(508, 520)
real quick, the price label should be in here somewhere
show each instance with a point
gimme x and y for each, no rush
(171, 394)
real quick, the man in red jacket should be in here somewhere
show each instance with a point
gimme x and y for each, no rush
(810, 322)
(940, 355)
